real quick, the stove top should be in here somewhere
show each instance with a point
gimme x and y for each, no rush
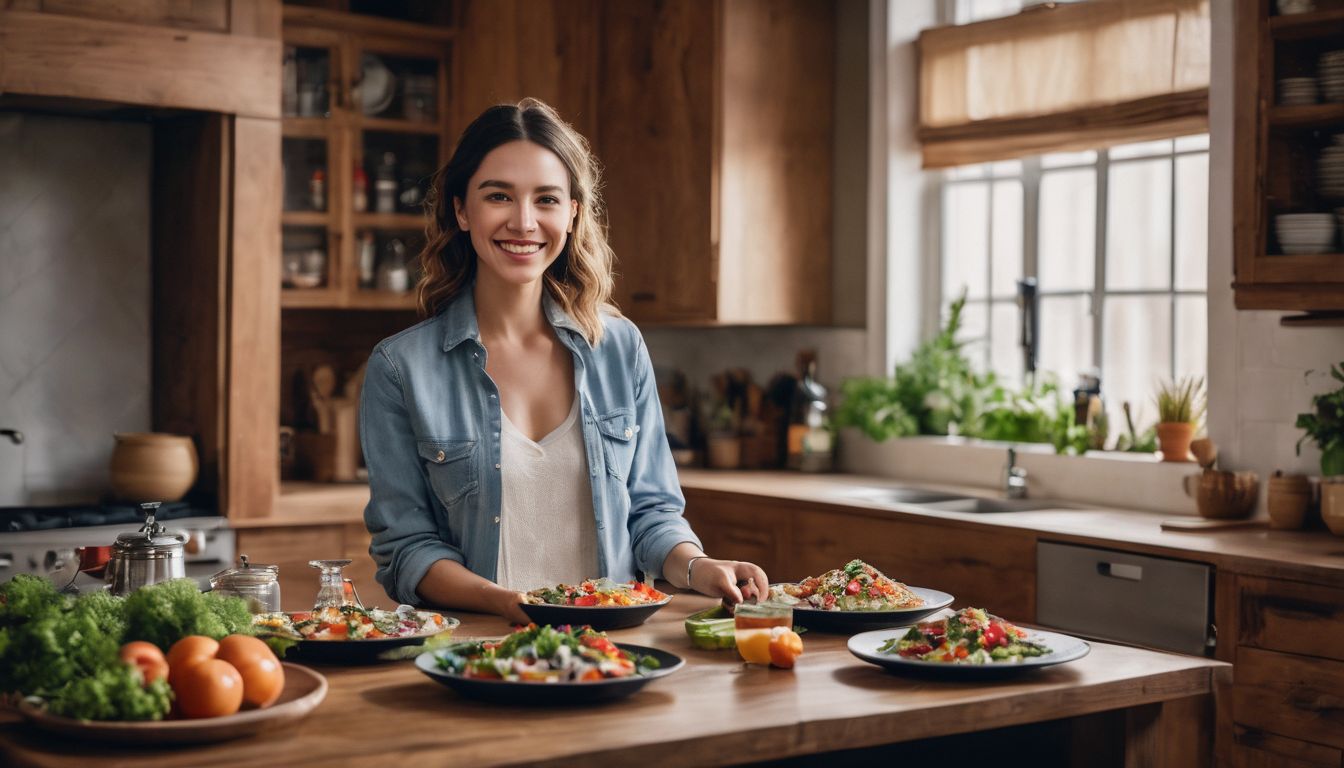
(16, 519)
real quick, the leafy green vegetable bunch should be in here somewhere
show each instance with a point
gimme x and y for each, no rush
(1324, 426)
(65, 649)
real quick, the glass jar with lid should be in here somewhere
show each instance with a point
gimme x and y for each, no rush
(258, 585)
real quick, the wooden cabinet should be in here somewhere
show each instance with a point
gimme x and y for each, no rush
(1280, 157)
(366, 126)
(715, 129)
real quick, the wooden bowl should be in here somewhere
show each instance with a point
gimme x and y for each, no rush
(1227, 495)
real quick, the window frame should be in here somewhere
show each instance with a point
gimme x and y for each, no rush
(1030, 176)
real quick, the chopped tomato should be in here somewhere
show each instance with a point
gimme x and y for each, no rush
(853, 587)
(962, 652)
(375, 632)
(335, 630)
(586, 600)
(591, 674)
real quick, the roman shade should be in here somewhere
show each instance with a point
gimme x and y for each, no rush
(1061, 77)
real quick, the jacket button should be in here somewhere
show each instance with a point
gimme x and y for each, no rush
(496, 521)
(628, 432)
(496, 466)
(438, 456)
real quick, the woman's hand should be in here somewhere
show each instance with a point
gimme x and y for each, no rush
(721, 578)
(507, 606)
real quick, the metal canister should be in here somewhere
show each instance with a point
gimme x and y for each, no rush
(145, 557)
(259, 585)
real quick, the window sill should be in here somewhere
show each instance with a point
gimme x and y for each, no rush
(1107, 478)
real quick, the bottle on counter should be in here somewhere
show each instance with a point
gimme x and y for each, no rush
(810, 445)
(360, 197)
(385, 185)
(317, 190)
(368, 257)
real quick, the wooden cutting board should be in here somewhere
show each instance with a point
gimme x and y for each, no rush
(1205, 524)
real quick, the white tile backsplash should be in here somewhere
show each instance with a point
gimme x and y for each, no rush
(74, 298)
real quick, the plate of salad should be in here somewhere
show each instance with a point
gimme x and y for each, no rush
(352, 634)
(855, 598)
(600, 603)
(970, 641)
(547, 665)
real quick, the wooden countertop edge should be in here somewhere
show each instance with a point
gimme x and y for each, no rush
(1161, 543)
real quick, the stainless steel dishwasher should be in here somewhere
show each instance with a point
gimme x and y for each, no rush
(1138, 599)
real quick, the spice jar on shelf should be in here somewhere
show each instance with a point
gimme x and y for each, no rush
(385, 185)
(360, 196)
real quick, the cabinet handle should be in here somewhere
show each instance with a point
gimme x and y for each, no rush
(643, 296)
(1121, 571)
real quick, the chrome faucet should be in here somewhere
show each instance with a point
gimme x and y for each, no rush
(1014, 478)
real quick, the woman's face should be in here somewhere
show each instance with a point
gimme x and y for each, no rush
(518, 211)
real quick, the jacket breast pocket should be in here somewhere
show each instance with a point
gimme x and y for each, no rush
(619, 433)
(451, 467)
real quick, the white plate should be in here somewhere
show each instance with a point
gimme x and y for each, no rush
(1063, 648)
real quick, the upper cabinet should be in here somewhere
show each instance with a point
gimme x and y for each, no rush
(715, 130)
(1289, 157)
(366, 124)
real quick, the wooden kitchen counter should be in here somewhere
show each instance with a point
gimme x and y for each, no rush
(716, 710)
(1304, 555)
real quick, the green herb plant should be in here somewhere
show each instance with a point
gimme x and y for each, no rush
(1181, 401)
(1324, 426)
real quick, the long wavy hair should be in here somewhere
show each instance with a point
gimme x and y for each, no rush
(580, 278)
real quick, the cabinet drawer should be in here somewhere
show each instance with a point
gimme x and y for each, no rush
(1296, 696)
(740, 531)
(1291, 617)
(1148, 601)
(1257, 749)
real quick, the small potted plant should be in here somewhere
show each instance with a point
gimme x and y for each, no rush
(1180, 405)
(1324, 426)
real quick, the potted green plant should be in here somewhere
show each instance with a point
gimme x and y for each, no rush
(1324, 426)
(1180, 405)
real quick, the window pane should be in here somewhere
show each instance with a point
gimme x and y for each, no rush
(1005, 351)
(1065, 345)
(965, 243)
(1192, 336)
(1142, 149)
(974, 333)
(1137, 354)
(1192, 222)
(1066, 230)
(979, 10)
(1006, 168)
(1138, 226)
(967, 172)
(1006, 256)
(1061, 159)
(1189, 143)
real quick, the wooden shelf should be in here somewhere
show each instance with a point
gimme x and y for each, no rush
(413, 221)
(1313, 320)
(312, 298)
(1307, 116)
(305, 127)
(382, 300)
(397, 125)
(1305, 26)
(370, 25)
(305, 219)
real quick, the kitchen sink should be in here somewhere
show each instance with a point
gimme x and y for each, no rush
(908, 496)
(986, 506)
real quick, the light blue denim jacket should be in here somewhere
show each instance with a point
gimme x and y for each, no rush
(429, 422)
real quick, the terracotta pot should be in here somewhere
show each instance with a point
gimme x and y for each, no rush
(150, 466)
(1332, 506)
(724, 452)
(1173, 440)
(1290, 497)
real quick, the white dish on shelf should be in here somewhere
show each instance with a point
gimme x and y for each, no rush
(377, 85)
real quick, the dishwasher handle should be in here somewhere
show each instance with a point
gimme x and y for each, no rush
(1120, 571)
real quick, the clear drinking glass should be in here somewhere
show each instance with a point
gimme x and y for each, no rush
(752, 624)
(331, 584)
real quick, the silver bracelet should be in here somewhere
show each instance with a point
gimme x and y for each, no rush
(690, 563)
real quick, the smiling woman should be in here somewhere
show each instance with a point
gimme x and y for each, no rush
(514, 438)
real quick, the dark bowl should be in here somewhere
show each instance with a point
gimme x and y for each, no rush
(599, 618)
(849, 622)
(551, 694)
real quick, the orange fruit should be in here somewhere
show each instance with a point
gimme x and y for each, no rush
(785, 647)
(263, 677)
(753, 645)
(147, 658)
(188, 652)
(209, 688)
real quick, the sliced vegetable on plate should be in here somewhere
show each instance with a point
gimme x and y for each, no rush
(600, 603)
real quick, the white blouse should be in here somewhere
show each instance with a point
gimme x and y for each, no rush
(547, 528)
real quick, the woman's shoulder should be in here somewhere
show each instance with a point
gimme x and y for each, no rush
(424, 336)
(619, 332)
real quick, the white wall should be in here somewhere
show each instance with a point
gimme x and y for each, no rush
(74, 300)
(1258, 379)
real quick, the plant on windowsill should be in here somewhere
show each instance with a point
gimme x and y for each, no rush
(1180, 406)
(723, 445)
(1325, 425)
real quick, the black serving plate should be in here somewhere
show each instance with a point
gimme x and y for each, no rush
(1063, 649)
(552, 694)
(366, 651)
(848, 622)
(601, 618)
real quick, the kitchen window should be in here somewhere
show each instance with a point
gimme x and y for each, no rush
(1117, 241)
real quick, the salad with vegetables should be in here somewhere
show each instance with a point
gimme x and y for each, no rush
(350, 622)
(545, 654)
(597, 593)
(972, 636)
(856, 587)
